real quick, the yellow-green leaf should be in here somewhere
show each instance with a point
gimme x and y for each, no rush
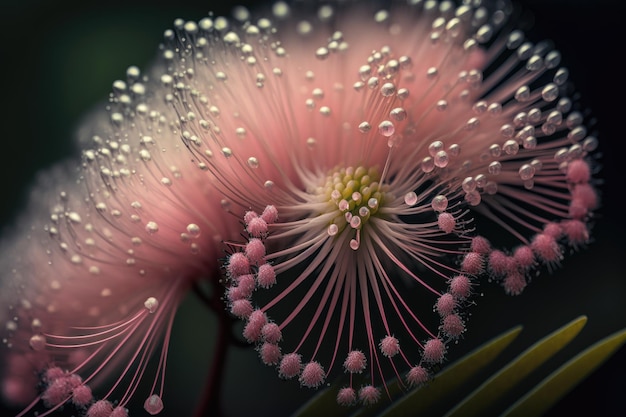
(500, 383)
(539, 400)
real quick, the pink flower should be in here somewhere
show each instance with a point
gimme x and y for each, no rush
(407, 152)
(381, 161)
(94, 272)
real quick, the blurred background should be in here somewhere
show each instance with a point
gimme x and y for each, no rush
(59, 59)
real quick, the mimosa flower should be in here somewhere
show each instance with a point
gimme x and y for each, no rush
(96, 269)
(378, 162)
(386, 159)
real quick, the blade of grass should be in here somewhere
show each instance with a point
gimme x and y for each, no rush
(541, 398)
(478, 402)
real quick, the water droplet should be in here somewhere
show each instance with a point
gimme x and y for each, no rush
(37, 342)
(364, 127)
(193, 229)
(410, 198)
(441, 159)
(36, 324)
(495, 168)
(427, 164)
(152, 227)
(469, 184)
(355, 222)
(74, 217)
(435, 147)
(526, 172)
(439, 203)
(510, 147)
(386, 128)
(550, 92)
(151, 304)
(253, 162)
(388, 89)
(522, 94)
(322, 53)
(398, 114)
(145, 155)
(473, 198)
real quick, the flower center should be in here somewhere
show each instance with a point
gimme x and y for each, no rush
(354, 195)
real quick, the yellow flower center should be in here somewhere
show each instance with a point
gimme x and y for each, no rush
(355, 194)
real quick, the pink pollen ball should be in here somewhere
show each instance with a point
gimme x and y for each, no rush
(585, 195)
(434, 351)
(266, 276)
(514, 283)
(524, 257)
(290, 365)
(119, 412)
(101, 408)
(446, 222)
(453, 325)
(255, 250)
(389, 346)
(57, 392)
(253, 329)
(238, 265)
(546, 248)
(576, 231)
(313, 375)
(355, 362)
(446, 304)
(247, 284)
(472, 263)
(346, 396)
(553, 229)
(54, 373)
(481, 245)
(460, 287)
(369, 395)
(249, 216)
(236, 293)
(417, 376)
(578, 172)
(498, 263)
(270, 353)
(241, 308)
(271, 333)
(270, 214)
(82, 396)
(257, 227)
(577, 209)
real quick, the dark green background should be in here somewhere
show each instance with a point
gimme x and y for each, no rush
(58, 60)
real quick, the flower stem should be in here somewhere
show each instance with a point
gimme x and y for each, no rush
(210, 402)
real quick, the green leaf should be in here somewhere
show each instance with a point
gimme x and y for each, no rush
(560, 382)
(478, 402)
(420, 401)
